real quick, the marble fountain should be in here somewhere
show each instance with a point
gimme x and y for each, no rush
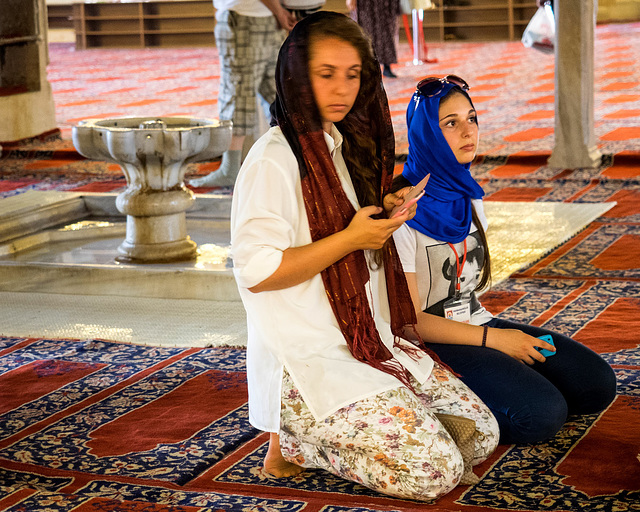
(154, 239)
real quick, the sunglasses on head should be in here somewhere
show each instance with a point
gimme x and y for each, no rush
(432, 85)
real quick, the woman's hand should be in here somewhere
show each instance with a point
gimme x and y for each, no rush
(364, 232)
(517, 344)
(394, 199)
(286, 19)
(351, 5)
(437, 329)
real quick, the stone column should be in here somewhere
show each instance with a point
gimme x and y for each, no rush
(575, 141)
(26, 100)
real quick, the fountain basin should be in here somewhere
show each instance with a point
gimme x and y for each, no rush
(153, 154)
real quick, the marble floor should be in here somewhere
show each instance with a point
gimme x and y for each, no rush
(71, 287)
(140, 320)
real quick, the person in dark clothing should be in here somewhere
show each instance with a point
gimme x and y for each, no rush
(379, 19)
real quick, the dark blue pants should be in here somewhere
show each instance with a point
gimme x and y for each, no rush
(531, 403)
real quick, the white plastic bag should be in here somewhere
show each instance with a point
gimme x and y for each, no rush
(541, 30)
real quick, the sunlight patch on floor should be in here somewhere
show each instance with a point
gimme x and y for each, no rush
(520, 233)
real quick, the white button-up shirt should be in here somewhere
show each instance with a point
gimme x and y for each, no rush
(295, 327)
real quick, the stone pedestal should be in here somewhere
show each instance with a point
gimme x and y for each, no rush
(156, 225)
(26, 100)
(575, 141)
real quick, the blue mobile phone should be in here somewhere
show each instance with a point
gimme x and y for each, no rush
(544, 351)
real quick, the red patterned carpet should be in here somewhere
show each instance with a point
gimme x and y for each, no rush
(91, 425)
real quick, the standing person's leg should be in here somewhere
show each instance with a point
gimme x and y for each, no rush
(233, 43)
(527, 406)
(269, 38)
(389, 36)
(389, 442)
(586, 381)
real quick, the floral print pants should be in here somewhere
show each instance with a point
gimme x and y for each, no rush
(390, 442)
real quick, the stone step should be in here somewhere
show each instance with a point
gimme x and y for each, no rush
(66, 243)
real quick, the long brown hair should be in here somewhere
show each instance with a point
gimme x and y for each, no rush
(485, 276)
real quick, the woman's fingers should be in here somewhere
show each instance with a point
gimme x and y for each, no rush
(370, 233)
(519, 345)
(390, 201)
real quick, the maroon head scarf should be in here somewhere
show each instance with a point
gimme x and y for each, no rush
(327, 206)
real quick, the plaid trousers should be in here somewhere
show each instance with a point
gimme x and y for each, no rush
(248, 48)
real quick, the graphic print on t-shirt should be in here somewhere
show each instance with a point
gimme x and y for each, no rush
(441, 261)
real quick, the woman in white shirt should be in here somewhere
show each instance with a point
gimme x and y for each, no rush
(329, 375)
(444, 253)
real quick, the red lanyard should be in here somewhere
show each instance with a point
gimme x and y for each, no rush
(459, 266)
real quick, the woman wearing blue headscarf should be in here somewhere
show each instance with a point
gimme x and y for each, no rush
(446, 260)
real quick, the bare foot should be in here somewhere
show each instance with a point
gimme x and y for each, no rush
(275, 464)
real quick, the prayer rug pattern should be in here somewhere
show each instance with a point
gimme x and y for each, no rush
(601, 251)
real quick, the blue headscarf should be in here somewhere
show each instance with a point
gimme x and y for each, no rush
(444, 212)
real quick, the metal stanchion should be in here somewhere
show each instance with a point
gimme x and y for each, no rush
(420, 52)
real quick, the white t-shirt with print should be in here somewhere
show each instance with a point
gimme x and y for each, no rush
(434, 264)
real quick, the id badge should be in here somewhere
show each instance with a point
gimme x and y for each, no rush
(458, 309)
